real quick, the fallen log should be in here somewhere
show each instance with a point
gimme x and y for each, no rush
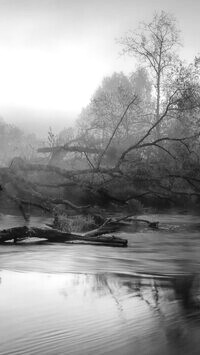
(56, 236)
(110, 225)
(153, 225)
(129, 220)
(69, 149)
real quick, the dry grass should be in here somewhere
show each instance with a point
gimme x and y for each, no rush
(76, 224)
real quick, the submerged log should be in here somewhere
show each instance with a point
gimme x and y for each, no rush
(56, 236)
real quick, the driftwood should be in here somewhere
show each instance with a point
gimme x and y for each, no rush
(153, 225)
(130, 220)
(56, 236)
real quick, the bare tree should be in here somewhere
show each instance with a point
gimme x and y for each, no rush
(155, 43)
(112, 145)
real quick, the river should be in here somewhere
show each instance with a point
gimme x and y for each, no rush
(89, 299)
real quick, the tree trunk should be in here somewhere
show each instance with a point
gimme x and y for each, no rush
(56, 236)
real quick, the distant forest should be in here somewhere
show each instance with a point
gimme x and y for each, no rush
(137, 139)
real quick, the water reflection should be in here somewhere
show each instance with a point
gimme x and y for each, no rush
(87, 314)
(115, 305)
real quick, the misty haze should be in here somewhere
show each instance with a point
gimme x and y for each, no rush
(99, 177)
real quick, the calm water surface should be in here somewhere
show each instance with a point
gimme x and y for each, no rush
(83, 299)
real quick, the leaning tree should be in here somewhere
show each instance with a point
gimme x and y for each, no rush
(123, 156)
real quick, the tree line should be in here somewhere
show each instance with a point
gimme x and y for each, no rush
(138, 138)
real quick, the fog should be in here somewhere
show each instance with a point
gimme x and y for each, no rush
(99, 177)
(38, 121)
(54, 54)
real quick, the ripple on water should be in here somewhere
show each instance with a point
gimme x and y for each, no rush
(87, 314)
(81, 299)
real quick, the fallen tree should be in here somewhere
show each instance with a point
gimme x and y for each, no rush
(53, 233)
(19, 182)
(56, 236)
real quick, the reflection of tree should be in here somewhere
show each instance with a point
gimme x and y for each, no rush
(97, 285)
(170, 302)
(186, 288)
(173, 300)
(160, 295)
(146, 291)
(91, 283)
(112, 293)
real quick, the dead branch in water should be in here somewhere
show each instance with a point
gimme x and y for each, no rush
(56, 236)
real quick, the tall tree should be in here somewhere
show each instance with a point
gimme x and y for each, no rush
(155, 43)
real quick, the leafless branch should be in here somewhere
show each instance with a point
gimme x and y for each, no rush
(147, 134)
(115, 130)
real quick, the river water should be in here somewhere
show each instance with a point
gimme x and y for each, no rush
(89, 299)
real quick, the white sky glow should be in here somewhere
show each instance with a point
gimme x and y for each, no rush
(55, 53)
(48, 80)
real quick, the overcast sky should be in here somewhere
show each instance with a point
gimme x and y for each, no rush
(54, 53)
